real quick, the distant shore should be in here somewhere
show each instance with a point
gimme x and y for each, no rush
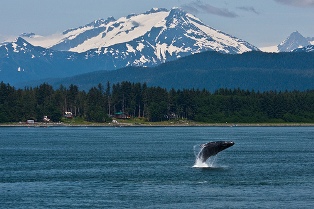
(157, 124)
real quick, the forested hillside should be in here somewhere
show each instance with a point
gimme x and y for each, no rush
(211, 70)
(155, 104)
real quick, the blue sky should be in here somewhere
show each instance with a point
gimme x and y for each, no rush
(260, 22)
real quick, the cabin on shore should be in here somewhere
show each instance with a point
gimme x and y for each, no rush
(68, 115)
(30, 121)
(46, 119)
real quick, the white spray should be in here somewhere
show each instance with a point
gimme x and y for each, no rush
(209, 163)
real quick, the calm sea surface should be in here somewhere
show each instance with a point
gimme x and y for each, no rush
(152, 167)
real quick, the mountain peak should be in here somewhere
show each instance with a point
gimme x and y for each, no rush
(176, 16)
(176, 12)
(97, 23)
(152, 11)
(171, 32)
(294, 41)
(20, 41)
(155, 10)
(296, 35)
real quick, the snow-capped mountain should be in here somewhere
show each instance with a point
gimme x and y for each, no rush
(294, 41)
(20, 61)
(171, 31)
(147, 39)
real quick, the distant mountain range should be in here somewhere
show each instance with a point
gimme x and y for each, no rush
(20, 62)
(257, 71)
(138, 40)
(163, 32)
(147, 39)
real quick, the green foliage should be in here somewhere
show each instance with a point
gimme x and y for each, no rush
(155, 104)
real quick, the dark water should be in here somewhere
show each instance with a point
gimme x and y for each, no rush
(268, 167)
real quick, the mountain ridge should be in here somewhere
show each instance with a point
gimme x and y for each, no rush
(146, 39)
(293, 42)
(176, 35)
(105, 33)
(211, 70)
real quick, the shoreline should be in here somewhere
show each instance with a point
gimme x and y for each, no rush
(188, 124)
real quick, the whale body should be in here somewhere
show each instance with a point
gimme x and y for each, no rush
(212, 148)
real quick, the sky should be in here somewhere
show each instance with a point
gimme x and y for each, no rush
(260, 22)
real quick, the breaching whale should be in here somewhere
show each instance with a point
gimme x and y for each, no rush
(212, 148)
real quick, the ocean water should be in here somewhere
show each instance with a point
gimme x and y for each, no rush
(153, 167)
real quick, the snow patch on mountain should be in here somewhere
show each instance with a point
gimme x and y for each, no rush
(130, 48)
(106, 33)
(146, 40)
(220, 40)
(309, 48)
(294, 41)
(44, 41)
(121, 31)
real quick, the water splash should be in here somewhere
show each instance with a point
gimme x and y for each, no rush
(196, 149)
(199, 164)
(209, 163)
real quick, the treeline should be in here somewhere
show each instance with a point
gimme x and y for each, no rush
(101, 103)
